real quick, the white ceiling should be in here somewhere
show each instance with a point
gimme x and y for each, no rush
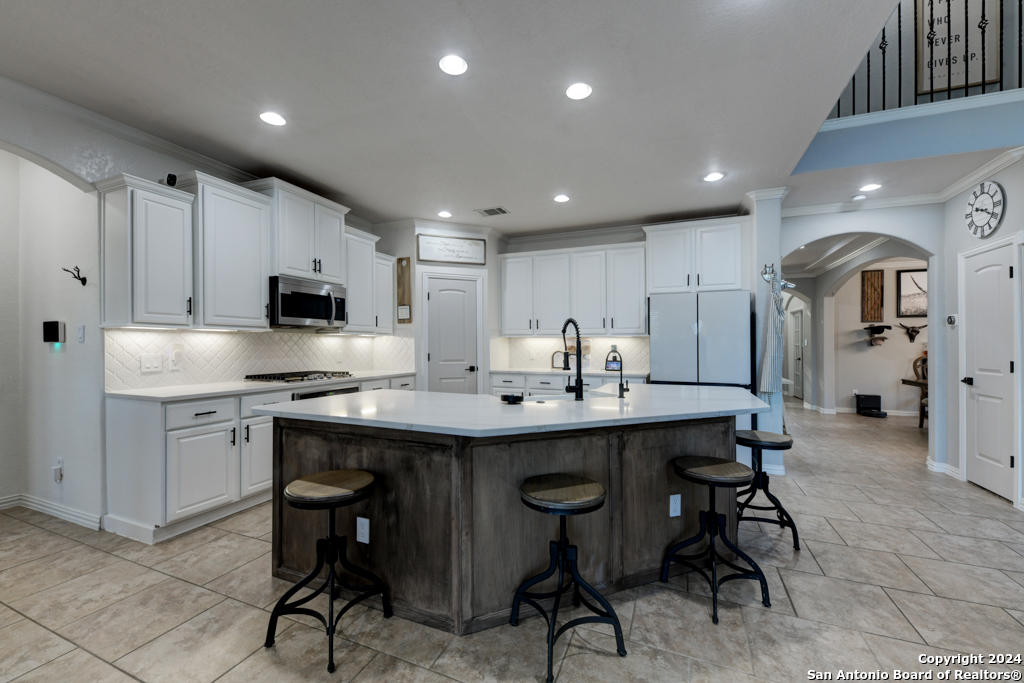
(680, 89)
(827, 253)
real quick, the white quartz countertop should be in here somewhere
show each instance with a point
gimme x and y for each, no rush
(193, 391)
(480, 415)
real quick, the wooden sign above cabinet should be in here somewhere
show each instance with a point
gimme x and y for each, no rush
(462, 250)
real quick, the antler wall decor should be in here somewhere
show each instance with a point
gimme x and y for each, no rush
(912, 332)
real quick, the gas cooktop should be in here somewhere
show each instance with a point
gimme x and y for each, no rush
(299, 376)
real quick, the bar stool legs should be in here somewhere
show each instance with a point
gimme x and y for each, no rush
(564, 560)
(713, 524)
(330, 551)
(760, 483)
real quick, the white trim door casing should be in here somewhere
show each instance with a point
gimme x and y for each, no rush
(422, 335)
(984, 432)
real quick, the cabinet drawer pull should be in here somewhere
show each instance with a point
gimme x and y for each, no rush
(404, 384)
(376, 388)
(232, 436)
(188, 306)
(247, 433)
(208, 412)
(507, 381)
(545, 382)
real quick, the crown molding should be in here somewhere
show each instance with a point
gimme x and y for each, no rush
(928, 109)
(619, 233)
(773, 193)
(1004, 160)
(37, 99)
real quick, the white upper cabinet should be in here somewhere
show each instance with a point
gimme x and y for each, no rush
(360, 307)
(330, 245)
(551, 305)
(517, 295)
(718, 254)
(604, 290)
(627, 300)
(231, 231)
(695, 256)
(146, 251)
(669, 261)
(307, 233)
(588, 287)
(384, 293)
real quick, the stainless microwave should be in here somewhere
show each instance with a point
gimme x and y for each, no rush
(295, 302)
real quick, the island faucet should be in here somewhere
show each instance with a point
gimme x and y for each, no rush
(570, 389)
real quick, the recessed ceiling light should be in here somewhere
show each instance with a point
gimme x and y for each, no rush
(562, 198)
(444, 214)
(578, 91)
(273, 118)
(870, 187)
(453, 65)
(712, 177)
(803, 246)
(859, 197)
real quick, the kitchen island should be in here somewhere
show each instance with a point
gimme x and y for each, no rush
(448, 532)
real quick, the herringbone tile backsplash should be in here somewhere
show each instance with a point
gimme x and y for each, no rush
(230, 356)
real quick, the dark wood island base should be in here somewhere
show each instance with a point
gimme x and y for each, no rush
(448, 532)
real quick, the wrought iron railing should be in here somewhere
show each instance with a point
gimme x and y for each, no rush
(935, 50)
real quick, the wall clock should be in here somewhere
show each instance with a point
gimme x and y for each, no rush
(984, 209)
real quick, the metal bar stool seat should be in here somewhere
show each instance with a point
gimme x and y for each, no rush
(329, 491)
(714, 473)
(757, 441)
(564, 495)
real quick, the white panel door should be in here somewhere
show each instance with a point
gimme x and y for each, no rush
(627, 300)
(517, 295)
(718, 255)
(162, 260)
(551, 304)
(359, 303)
(330, 245)
(296, 235)
(384, 271)
(988, 327)
(674, 337)
(236, 260)
(452, 336)
(589, 292)
(202, 469)
(723, 337)
(670, 261)
(257, 470)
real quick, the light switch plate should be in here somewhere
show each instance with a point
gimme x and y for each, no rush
(675, 505)
(362, 530)
(151, 362)
(81, 334)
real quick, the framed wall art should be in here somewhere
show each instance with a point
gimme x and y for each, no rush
(911, 293)
(872, 290)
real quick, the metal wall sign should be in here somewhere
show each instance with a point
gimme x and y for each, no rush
(957, 44)
(462, 250)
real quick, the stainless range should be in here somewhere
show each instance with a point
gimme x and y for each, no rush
(297, 376)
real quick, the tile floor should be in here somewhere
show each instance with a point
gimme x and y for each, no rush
(896, 562)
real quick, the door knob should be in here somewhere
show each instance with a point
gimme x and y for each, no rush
(969, 381)
(471, 368)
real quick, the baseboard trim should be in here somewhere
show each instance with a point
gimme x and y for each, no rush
(944, 468)
(774, 470)
(56, 509)
(149, 535)
(894, 413)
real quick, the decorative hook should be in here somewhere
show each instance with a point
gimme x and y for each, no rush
(77, 274)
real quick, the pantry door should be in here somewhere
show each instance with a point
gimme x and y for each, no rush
(452, 331)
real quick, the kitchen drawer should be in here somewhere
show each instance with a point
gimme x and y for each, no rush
(404, 383)
(506, 381)
(547, 381)
(374, 386)
(499, 392)
(196, 413)
(251, 401)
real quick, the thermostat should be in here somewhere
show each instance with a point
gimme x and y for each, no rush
(951, 320)
(53, 332)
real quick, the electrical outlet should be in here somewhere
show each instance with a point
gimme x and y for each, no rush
(854, 392)
(151, 362)
(81, 334)
(362, 530)
(176, 356)
(533, 355)
(675, 505)
(58, 471)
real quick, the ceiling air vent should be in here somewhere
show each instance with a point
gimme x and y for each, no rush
(496, 211)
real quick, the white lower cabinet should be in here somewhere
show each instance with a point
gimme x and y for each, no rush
(374, 385)
(202, 469)
(404, 383)
(257, 455)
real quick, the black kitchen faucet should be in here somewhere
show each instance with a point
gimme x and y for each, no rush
(569, 388)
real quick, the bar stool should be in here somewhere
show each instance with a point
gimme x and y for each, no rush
(714, 473)
(757, 441)
(329, 491)
(564, 495)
